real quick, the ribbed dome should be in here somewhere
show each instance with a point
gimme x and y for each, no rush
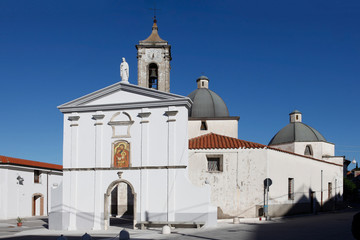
(206, 103)
(296, 131)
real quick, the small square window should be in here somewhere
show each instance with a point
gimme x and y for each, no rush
(214, 163)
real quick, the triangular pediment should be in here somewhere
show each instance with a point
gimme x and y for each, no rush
(123, 95)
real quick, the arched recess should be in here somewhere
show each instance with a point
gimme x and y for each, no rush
(108, 197)
(37, 202)
(153, 80)
(308, 150)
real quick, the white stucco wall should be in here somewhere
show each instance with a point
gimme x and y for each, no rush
(320, 149)
(238, 190)
(290, 147)
(307, 174)
(223, 127)
(16, 200)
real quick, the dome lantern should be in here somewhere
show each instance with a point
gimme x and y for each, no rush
(206, 103)
(202, 82)
(295, 116)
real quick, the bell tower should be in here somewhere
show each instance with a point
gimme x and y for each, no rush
(154, 56)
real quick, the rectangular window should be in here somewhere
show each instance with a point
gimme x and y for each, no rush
(37, 176)
(214, 164)
(329, 190)
(291, 189)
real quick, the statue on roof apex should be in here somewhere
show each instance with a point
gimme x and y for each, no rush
(124, 71)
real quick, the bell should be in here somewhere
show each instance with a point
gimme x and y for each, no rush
(153, 73)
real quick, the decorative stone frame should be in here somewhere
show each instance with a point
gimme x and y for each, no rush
(106, 201)
(114, 124)
(33, 204)
(113, 153)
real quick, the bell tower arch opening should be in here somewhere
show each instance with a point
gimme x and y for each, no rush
(153, 76)
(154, 56)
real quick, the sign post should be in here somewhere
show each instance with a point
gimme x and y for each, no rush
(267, 184)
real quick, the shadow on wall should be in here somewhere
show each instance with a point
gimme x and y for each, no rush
(306, 205)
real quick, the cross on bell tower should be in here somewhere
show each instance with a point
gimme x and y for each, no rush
(154, 56)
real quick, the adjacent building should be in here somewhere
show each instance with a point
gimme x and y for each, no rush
(26, 187)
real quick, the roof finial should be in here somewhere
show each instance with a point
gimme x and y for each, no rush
(154, 18)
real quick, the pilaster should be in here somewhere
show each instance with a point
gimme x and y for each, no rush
(98, 117)
(171, 113)
(74, 125)
(144, 207)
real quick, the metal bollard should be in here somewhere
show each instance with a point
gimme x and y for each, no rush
(62, 237)
(86, 237)
(124, 235)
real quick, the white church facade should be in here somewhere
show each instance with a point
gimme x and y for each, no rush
(127, 153)
(132, 135)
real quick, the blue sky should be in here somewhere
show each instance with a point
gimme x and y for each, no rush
(264, 58)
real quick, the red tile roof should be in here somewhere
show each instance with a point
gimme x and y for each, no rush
(215, 141)
(29, 163)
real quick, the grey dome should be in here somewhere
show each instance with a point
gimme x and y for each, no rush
(297, 132)
(206, 103)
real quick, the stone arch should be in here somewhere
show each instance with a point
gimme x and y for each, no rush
(37, 202)
(107, 199)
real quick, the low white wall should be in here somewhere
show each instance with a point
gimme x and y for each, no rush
(222, 127)
(308, 175)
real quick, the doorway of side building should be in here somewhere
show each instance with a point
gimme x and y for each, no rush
(121, 199)
(37, 204)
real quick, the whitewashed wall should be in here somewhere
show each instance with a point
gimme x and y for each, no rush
(307, 177)
(238, 190)
(15, 199)
(223, 127)
(320, 149)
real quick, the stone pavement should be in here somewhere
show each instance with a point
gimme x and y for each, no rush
(327, 226)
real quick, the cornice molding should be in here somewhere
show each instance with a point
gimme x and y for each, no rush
(163, 99)
(123, 106)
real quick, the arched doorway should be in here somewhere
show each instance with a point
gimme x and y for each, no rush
(37, 204)
(120, 204)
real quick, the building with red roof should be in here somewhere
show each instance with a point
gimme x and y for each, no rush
(26, 187)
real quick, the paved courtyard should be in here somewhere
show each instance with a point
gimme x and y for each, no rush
(327, 226)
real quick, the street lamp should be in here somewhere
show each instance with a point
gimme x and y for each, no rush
(20, 180)
(353, 161)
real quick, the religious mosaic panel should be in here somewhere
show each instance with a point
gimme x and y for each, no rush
(121, 154)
